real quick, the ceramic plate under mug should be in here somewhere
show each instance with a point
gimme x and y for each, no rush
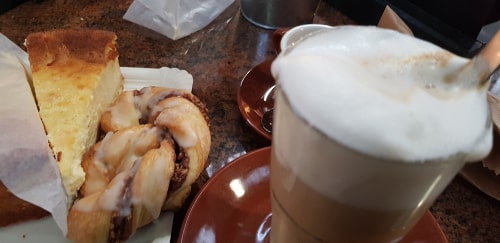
(234, 206)
(255, 96)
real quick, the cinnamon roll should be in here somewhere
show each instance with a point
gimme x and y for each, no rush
(156, 145)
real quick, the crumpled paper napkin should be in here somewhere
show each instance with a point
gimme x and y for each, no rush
(175, 18)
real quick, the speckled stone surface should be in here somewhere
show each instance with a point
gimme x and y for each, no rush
(218, 56)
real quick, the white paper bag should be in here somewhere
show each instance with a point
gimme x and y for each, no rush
(175, 18)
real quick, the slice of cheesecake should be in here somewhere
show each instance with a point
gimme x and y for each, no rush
(76, 76)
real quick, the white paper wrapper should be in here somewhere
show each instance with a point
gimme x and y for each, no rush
(28, 168)
(175, 18)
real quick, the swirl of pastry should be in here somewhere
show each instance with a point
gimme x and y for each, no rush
(156, 146)
(127, 179)
(183, 115)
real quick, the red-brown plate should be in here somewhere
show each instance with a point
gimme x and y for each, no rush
(256, 96)
(234, 206)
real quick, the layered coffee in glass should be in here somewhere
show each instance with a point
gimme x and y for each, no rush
(370, 126)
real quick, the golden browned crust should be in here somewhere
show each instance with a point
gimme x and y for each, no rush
(93, 46)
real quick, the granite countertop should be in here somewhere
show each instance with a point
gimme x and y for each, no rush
(218, 56)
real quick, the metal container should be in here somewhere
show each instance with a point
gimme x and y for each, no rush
(273, 14)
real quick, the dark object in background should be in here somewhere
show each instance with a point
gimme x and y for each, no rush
(451, 24)
(274, 14)
(6, 5)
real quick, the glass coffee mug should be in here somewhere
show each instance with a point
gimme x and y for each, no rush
(355, 159)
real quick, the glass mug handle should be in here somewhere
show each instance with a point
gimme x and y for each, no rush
(276, 38)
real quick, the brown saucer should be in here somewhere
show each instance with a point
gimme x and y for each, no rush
(480, 176)
(256, 96)
(234, 206)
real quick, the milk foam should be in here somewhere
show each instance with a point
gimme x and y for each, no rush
(385, 94)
